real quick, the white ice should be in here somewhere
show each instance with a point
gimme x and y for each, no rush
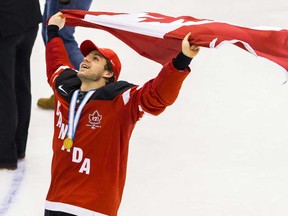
(220, 150)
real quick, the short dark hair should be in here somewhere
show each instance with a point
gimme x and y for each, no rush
(109, 67)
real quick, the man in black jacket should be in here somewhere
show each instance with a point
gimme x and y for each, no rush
(18, 30)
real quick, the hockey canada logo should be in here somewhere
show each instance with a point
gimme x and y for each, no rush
(94, 120)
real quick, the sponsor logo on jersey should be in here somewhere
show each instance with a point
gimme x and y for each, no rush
(61, 88)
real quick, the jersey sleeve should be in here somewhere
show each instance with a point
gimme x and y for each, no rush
(56, 59)
(155, 95)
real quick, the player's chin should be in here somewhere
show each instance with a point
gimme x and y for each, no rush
(81, 74)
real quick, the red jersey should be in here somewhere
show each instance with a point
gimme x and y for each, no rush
(89, 178)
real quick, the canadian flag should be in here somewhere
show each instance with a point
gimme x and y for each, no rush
(158, 37)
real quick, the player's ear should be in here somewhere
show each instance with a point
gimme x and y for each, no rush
(108, 74)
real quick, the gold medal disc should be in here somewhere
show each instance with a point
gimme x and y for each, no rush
(68, 143)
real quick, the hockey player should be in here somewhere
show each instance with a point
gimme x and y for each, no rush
(95, 115)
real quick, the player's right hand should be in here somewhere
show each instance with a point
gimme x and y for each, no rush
(57, 19)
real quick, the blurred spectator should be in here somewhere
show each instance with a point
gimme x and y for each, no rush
(18, 30)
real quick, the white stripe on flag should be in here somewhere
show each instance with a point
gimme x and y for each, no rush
(133, 22)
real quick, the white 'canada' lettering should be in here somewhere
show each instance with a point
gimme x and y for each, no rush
(63, 127)
(77, 154)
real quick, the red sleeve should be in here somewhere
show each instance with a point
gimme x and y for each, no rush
(56, 56)
(163, 90)
(155, 95)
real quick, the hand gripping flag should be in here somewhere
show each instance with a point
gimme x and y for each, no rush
(158, 37)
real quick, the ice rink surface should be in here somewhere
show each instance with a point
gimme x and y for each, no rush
(220, 150)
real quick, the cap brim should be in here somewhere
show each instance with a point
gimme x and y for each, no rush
(88, 46)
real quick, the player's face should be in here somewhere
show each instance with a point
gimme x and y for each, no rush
(93, 67)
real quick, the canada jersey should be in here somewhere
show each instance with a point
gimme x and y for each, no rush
(91, 174)
(89, 178)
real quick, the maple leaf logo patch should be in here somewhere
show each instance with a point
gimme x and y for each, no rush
(94, 120)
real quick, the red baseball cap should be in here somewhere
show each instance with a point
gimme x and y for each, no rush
(87, 46)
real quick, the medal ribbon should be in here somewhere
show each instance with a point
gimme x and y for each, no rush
(73, 119)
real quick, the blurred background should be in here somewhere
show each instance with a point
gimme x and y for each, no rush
(220, 150)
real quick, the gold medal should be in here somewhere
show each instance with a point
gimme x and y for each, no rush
(73, 119)
(68, 143)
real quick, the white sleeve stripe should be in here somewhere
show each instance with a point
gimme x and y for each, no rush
(63, 67)
(139, 87)
(54, 78)
(126, 96)
(141, 110)
(63, 207)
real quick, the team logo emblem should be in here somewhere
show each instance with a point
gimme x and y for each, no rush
(94, 120)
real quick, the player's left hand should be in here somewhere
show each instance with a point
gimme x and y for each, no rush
(188, 49)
